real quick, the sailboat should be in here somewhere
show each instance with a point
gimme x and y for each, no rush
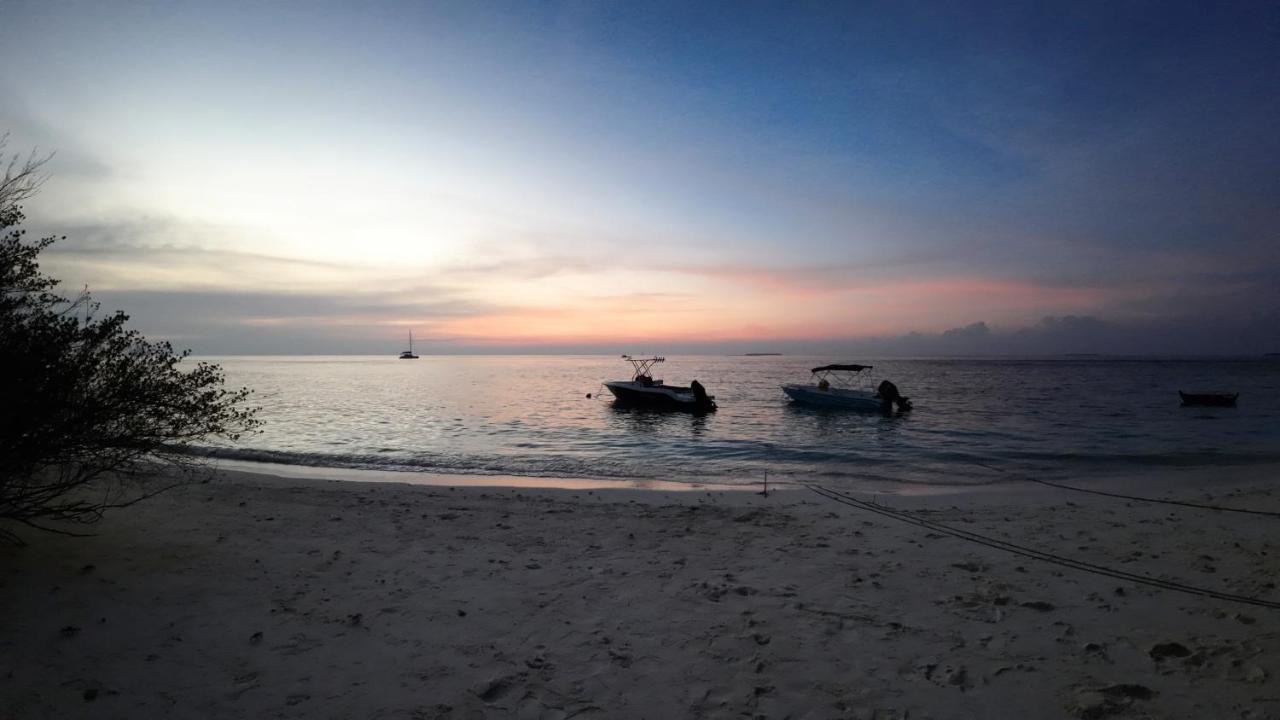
(408, 354)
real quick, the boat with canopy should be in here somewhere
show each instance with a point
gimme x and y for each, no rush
(846, 387)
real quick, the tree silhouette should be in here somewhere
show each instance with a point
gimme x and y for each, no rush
(92, 415)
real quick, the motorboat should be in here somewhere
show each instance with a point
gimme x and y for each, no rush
(408, 354)
(642, 390)
(1212, 399)
(845, 387)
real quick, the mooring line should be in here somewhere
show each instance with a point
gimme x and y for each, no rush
(1034, 554)
(1138, 498)
(1162, 501)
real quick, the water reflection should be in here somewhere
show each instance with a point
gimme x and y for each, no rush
(638, 420)
(836, 421)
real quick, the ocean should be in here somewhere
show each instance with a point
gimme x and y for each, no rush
(975, 421)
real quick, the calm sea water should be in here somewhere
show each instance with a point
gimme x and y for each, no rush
(974, 421)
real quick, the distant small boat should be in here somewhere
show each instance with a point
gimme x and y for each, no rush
(1209, 399)
(843, 387)
(408, 354)
(761, 354)
(643, 391)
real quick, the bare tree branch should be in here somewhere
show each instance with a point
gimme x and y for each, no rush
(22, 178)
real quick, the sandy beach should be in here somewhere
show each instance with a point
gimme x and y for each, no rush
(255, 596)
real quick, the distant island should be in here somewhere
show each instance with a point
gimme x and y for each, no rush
(760, 354)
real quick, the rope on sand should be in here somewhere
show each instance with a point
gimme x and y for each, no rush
(1183, 503)
(1139, 498)
(1038, 554)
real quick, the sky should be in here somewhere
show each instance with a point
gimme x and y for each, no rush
(892, 178)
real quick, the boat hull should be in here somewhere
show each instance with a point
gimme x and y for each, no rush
(658, 397)
(837, 398)
(1209, 399)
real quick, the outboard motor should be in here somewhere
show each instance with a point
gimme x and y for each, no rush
(704, 400)
(889, 394)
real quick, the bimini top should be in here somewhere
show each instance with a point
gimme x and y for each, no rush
(850, 368)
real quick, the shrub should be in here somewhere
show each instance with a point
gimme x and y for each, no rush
(93, 416)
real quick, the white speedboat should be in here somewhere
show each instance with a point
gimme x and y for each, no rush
(844, 387)
(643, 391)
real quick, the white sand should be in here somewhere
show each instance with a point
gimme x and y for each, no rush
(261, 597)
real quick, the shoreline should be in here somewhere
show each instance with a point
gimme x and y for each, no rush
(263, 596)
(1155, 481)
(442, 479)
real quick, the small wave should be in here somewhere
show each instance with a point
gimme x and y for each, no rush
(561, 467)
(540, 466)
(947, 468)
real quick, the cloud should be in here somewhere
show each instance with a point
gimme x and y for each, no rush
(975, 332)
(30, 131)
(179, 284)
(1056, 335)
(270, 323)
